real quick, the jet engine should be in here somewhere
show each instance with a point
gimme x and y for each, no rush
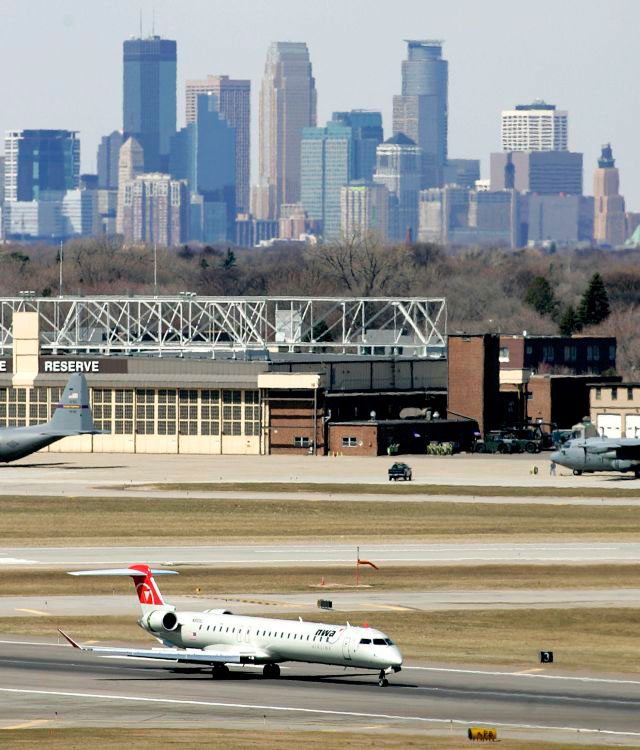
(159, 620)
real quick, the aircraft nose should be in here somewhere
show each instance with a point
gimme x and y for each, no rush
(396, 657)
(556, 457)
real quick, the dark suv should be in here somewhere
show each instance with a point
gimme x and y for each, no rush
(400, 471)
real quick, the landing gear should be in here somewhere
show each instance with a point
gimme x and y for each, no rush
(382, 679)
(271, 671)
(577, 473)
(220, 672)
(637, 473)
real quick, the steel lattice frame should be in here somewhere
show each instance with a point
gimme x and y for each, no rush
(189, 323)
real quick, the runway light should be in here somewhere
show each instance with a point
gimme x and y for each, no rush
(481, 734)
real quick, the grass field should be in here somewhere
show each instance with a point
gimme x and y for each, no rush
(207, 581)
(104, 521)
(391, 488)
(602, 639)
(319, 739)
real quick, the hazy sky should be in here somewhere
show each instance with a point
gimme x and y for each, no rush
(62, 62)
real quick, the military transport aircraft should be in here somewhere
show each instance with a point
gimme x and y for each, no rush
(585, 455)
(72, 416)
(216, 637)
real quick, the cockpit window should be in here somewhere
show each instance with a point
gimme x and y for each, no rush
(379, 642)
(365, 641)
(389, 641)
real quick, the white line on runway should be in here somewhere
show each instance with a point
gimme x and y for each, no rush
(524, 674)
(322, 711)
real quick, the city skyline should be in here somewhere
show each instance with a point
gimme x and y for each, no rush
(357, 64)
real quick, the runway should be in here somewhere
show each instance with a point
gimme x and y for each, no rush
(64, 688)
(323, 554)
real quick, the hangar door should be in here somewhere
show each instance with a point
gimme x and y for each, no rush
(632, 426)
(609, 425)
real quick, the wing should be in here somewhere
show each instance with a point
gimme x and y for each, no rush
(182, 656)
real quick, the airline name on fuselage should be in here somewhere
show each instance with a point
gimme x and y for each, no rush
(328, 633)
(72, 365)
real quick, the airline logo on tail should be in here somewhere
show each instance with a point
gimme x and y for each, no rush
(148, 592)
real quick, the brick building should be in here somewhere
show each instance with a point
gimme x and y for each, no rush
(575, 354)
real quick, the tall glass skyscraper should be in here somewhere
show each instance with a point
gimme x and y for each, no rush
(421, 111)
(366, 126)
(149, 97)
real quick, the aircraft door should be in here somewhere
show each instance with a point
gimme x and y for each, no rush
(346, 652)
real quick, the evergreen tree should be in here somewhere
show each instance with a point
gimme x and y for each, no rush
(594, 305)
(540, 296)
(568, 322)
(229, 259)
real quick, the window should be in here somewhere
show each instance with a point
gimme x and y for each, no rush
(598, 393)
(504, 354)
(612, 352)
(379, 642)
(570, 353)
(123, 412)
(188, 412)
(232, 412)
(167, 411)
(210, 412)
(301, 442)
(365, 641)
(349, 442)
(614, 394)
(629, 394)
(547, 353)
(145, 411)
(251, 413)
(593, 353)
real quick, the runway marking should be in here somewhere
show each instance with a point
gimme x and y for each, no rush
(32, 611)
(395, 608)
(321, 711)
(530, 671)
(28, 724)
(526, 674)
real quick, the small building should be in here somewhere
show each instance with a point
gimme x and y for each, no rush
(615, 409)
(574, 354)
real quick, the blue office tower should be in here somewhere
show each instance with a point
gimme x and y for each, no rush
(149, 97)
(366, 126)
(204, 154)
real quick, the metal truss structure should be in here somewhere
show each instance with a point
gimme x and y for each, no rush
(189, 323)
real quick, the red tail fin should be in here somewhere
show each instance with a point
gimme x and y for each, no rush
(146, 587)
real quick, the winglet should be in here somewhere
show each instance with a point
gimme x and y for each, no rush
(70, 640)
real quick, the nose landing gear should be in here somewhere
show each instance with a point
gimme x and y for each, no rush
(382, 679)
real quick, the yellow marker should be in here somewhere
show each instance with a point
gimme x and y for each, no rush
(28, 724)
(482, 734)
(385, 606)
(32, 611)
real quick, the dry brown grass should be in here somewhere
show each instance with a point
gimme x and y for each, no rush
(207, 581)
(237, 739)
(390, 488)
(602, 639)
(103, 521)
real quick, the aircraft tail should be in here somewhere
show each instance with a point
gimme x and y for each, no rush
(73, 414)
(147, 589)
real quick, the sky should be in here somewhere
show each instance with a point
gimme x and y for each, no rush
(62, 63)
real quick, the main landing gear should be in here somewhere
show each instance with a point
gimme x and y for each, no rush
(220, 672)
(271, 671)
(382, 679)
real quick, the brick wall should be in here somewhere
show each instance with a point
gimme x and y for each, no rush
(366, 439)
(290, 419)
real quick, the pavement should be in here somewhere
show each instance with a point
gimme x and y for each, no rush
(84, 474)
(343, 601)
(52, 686)
(323, 554)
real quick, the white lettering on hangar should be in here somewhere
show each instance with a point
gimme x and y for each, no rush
(71, 365)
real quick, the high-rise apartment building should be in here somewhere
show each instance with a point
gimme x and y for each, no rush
(38, 162)
(108, 159)
(367, 134)
(364, 210)
(149, 100)
(420, 112)
(609, 218)
(155, 210)
(327, 165)
(130, 165)
(399, 169)
(234, 102)
(534, 127)
(204, 154)
(287, 105)
(544, 172)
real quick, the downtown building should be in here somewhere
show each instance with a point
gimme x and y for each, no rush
(149, 97)
(234, 102)
(287, 106)
(155, 210)
(364, 210)
(610, 225)
(420, 112)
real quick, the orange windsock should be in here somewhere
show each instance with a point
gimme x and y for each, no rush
(368, 562)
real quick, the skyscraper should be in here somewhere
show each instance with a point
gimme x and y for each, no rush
(364, 209)
(535, 127)
(609, 218)
(327, 165)
(287, 105)
(399, 169)
(234, 102)
(149, 101)
(38, 162)
(130, 165)
(204, 154)
(155, 209)
(420, 112)
(108, 158)
(366, 127)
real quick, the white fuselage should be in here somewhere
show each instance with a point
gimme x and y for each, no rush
(266, 640)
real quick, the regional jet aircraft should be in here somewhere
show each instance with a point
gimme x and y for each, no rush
(216, 637)
(585, 455)
(72, 416)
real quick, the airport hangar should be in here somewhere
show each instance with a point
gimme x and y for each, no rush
(249, 375)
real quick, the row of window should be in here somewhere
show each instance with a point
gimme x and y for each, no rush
(614, 393)
(570, 352)
(269, 633)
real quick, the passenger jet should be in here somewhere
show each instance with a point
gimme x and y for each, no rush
(215, 638)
